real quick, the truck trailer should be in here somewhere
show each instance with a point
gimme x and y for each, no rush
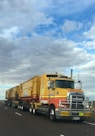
(30, 90)
(54, 95)
(13, 96)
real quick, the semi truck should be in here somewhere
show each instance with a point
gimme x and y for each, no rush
(54, 95)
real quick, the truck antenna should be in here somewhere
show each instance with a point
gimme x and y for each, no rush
(78, 75)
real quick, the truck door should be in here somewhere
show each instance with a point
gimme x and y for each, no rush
(51, 89)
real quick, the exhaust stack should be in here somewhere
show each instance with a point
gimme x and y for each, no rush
(71, 73)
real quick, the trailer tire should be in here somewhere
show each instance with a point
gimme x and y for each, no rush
(30, 110)
(52, 115)
(34, 112)
(22, 108)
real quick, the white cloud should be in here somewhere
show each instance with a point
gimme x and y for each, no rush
(90, 34)
(70, 26)
(28, 55)
(89, 66)
(90, 45)
(10, 33)
(25, 15)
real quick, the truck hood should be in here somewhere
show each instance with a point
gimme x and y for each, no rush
(64, 91)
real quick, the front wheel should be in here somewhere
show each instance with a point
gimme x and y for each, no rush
(52, 113)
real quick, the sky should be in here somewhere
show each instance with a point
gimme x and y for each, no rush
(47, 36)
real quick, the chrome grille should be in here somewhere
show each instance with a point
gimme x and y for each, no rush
(76, 101)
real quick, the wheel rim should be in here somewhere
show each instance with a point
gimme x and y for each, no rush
(30, 110)
(52, 114)
(33, 111)
(22, 107)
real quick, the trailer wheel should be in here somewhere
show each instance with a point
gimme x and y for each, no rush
(34, 112)
(22, 108)
(30, 110)
(52, 115)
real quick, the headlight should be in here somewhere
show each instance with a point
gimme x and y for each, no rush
(63, 104)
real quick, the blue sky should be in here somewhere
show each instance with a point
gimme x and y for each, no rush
(47, 36)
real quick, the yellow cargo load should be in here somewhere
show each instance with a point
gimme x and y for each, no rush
(31, 88)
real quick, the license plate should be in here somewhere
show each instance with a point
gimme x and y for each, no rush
(76, 118)
(81, 114)
(65, 114)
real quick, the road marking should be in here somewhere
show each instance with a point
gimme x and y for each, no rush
(61, 135)
(89, 123)
(18, 114)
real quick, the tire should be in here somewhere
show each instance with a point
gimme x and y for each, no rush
(30, 110)
(22, 108)
(33, 111)
(52, 115)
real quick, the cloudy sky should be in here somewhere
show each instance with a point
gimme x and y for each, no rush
(44, 36)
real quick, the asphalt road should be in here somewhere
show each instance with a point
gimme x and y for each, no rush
(14, 122)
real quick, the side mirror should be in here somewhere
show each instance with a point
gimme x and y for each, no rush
(86, 102)
(87, 99)
(78, 85)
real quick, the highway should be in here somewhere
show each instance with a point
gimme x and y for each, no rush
(14, 122)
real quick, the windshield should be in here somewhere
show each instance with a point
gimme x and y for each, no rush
(64, 84)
